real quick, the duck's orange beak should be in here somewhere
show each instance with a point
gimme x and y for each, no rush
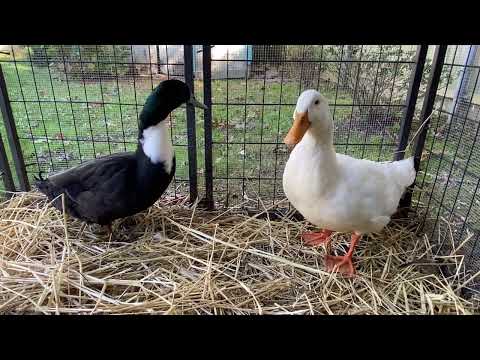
(298, 129)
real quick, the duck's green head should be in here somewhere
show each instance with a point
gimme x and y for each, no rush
(165, 98)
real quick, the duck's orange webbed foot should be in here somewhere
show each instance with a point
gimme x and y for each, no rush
(317, 238)
(343, 264)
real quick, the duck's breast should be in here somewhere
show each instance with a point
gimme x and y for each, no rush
(309, 183)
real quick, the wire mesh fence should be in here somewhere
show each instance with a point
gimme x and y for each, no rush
(450, 171)
(72, 103)
(366, 86)
(75, 103)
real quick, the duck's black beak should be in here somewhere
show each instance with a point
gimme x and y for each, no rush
(196, 103)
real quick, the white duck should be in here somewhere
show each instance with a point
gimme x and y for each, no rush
(334, 191)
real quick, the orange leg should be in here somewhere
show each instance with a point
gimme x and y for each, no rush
(343, 264)
(317, 238)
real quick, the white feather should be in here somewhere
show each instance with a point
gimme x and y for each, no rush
(304, 100)
(338, 192)
(157, 145)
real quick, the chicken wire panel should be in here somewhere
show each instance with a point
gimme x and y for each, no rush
(254, 95)
(73, 103)
(449, 175)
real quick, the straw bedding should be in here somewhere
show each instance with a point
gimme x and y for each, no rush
(179, 259)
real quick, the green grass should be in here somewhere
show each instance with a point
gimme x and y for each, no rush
(66, 132)
(58, 130)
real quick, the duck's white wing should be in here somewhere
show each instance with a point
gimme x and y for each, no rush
(370, 191)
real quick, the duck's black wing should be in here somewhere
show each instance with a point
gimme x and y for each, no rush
(97, 191)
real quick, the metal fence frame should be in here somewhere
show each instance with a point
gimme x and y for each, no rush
(5, 172)
(194, 150)
(13, 140)
(418, 65)
(434, 197)
(209, 142)
(191, 128)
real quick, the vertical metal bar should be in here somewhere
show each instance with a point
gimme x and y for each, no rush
(207, 118)
(227, 142)
(159, 69)
(191, 130)
(244, 127)
(429, 101)
(5, 169)
(171, 122)
(12, 135)
(282, 70)
(26, 109)
(435, 131)
(415, 81)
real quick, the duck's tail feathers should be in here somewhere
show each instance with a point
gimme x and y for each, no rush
(48, 188)
(39, 177)
(404, 172)
(42, 184)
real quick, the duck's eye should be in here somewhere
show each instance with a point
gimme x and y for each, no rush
(317, 102)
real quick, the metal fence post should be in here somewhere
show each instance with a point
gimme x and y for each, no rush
(427, 108)
(191, 125)
(158, 59)
(5, 172)
(12, 135)
(415, 81)
(207, 100)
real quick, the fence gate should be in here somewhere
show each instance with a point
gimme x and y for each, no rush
(252, 92)
(69, 104)
(64, 105)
